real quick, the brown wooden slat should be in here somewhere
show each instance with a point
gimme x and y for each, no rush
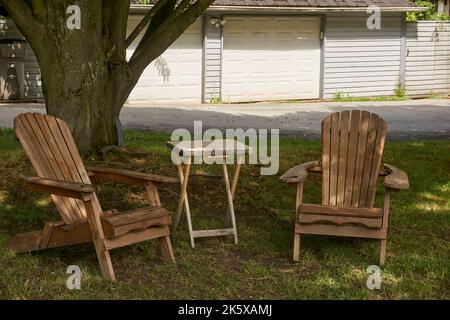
(334, 157)
(213, 233)
(66, 236)
(341, 231)
(67, 165)
(25, 242)
(64, 189)
(36, 157)
(135, 237)
(49, 161)
(130, 177)
(343, 156)
(77, 234)
(370, 149)
(40, 164)
(339, 220)
(73, 150)
(376, 162)
(32, 149)
(79, 165)
(317, 169)
(360, 156)
(47, 233)
(55, 156)
(114, 232)
(326, 126)
(300, 172)
(298, 198)
(152, 194)
(343, 211)
(136, 215)
(396, 179)
(351, 157)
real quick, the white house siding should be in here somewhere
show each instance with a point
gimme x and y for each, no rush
(428, 58)
(33, 87)
(212, 60)
(359, 61)
(176, 75)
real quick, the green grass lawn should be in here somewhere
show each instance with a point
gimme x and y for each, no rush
(260, 266)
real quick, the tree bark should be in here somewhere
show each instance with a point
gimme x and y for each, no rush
(81, 93)
(86, 78)
(77, 79)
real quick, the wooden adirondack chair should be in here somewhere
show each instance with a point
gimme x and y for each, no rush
(352, 148)
(61, 173)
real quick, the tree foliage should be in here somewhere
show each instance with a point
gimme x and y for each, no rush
(430, 13)
(86, 76)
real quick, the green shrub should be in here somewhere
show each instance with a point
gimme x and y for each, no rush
(429, 14)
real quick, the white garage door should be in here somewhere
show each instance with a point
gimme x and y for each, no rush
(176, 76)
(271, 58)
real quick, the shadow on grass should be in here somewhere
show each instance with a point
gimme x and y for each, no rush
(260, 265)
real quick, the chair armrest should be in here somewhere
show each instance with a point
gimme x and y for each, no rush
(300, 172)
(75, 190)
(127, 176)
(395, 178)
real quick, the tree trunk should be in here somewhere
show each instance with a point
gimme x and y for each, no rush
(79, 84)
(81, 95)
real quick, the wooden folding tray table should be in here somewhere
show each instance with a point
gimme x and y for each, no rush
(187, 150)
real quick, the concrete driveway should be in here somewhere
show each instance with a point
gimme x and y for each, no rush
(413, 119)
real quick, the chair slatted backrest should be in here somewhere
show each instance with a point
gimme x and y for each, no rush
(352, 148)
(54, 155)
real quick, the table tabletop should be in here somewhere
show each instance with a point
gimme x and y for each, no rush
(219, 146)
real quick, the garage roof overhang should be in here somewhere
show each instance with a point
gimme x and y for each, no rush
(136, 8)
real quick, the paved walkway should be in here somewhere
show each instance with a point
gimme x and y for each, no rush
(414, 119)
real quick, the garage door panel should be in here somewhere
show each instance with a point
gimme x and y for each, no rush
(271, 58)
(175, 76)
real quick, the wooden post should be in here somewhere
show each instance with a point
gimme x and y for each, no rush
(181, 202)
(383, 242)
(152, 194)
(298, 203)
(184, 179)
(298, 199)
(233, 188)
(166, 249)
(98, 238)
(230, 201)
(235, 179)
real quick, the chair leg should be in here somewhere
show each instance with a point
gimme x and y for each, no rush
(382, 252)
(166, 249)
(93, 211)
(296, 255)
(104, 259)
